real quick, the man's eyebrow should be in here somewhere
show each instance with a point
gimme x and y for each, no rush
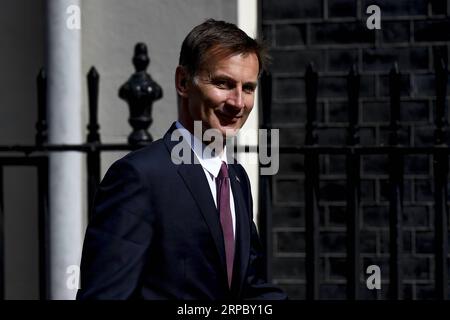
(222, 77)
(251, 83)
(230, 79)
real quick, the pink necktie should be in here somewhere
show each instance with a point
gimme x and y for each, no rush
(223, 204)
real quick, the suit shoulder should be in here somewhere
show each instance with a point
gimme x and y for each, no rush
(147, 158)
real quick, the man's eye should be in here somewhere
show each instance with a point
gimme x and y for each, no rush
(249, 89)
(221, 84)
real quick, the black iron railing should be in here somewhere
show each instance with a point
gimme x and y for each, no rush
(140, 91)
(353, 153)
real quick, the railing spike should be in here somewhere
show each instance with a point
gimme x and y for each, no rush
(41, 124)
(93, 126)
(353, 70)
(310, 68)
(395, 68)
(93, 73)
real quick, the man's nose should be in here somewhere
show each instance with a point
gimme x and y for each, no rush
(236, 99)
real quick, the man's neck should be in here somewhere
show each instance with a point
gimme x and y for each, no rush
(199, 134)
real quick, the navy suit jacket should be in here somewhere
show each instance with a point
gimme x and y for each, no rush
(155, 234)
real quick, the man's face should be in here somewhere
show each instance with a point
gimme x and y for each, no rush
(223, 91)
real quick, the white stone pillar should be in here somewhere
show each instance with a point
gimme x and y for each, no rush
(248, 21)
(65, 127)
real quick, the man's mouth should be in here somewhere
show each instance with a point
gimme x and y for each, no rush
(228, 117)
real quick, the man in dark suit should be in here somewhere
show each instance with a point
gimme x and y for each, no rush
(167, 228)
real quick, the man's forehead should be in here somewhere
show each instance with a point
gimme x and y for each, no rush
(214, 64)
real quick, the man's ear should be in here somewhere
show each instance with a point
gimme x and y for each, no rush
(182, 81)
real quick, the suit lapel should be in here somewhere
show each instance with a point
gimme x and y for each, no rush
(242, 232)
(195, 180)
(193, 176)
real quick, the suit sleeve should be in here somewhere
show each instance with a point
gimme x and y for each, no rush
(117, 237)
(256, 286)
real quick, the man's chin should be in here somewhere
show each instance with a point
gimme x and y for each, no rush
(229, 132)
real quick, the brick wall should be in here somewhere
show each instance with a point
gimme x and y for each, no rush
(333, 35)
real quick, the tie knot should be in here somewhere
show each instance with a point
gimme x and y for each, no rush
(223, 173)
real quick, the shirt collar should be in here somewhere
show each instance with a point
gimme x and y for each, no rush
(210, 163)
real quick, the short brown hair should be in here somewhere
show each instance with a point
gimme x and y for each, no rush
(221, 38)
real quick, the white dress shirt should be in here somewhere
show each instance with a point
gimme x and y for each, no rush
(211, 166)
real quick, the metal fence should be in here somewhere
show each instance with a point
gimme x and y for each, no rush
(140, 91)
(353, 152)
